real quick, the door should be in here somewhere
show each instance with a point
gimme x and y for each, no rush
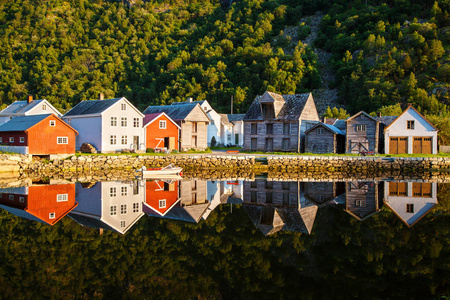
(194, 141)
(136, 142)
(422, 145)
(172, 142)
(236, 138)
(359, 146)
(269, 144)
(398, 145)
(254, 144)
(285, 144)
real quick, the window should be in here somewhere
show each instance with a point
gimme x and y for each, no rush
(410, 208)
(124, 191)
(113, 121)
(62, 140)
(51, 215)
(135, 122)
(62, 197)
(162, 124)
(268, 110)
(122, 224)
(269, 197)
(286, 128)
(124, 140)
(11, 139)
(320, 131)
(253, 184)
(123, 209)
(123, 122)
(162, 203)
(269, 184)
(253, 196)
(113, 139)
(361, 127)
(113, 210)
(44, 107)
(21, 199)
(363, 116)
(360, 203)
(11, 197)
(269, 129)
(112, 192)
(254, 128)
(194, 126)
(410, 124)
(135, 207)
(123, 106)
(52, 123)
(229, 137)
(22, 139)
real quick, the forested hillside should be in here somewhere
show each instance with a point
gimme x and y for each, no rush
(158, 52)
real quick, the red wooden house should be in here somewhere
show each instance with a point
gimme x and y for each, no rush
(161, 131)
(43, 203)
(160, 197)
(37, 135)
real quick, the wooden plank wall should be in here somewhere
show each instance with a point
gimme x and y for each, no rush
(278, 190)
(277, 135)
(370, 135)
(323, 143)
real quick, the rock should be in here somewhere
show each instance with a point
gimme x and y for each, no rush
(87, 148)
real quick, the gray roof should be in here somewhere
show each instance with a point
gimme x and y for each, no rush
(291, 110)
(341, 124)
(386, 120)
(22, 123)
(89, 107)
(175, 112)
(20, 107)
(224, 119)
(333, 129)
(186, 102)
(235, 117)
(21, 213)
(91, 222)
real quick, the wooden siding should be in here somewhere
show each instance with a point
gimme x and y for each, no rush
(187, 136)
(160, 190)
(358, 141)
(320, 192)
(154, 134)
(277, 135)
(193, 192)
(272, 193)
(320, 143)
(361, 198)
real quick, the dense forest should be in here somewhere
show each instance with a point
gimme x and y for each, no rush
(156, 52)
(226, 257)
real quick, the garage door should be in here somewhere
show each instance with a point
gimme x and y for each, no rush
(422, 145)
(398, 145)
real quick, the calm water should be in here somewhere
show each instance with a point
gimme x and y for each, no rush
(260, 239)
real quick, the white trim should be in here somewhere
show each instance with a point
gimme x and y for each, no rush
(62, 197)
(62, 141)
(167, 209)
(21, 139)
(52, 123)
(158, 116)
(129, 104)
(52, 215)
(160, 140)
(161, 201)
(162, 124)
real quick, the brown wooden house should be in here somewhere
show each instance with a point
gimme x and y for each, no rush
(278, 122)
(362, 134)
(324, 138)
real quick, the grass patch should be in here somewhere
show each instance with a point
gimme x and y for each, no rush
(226, 148)
(207, 150)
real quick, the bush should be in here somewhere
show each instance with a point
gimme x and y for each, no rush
(149, 150)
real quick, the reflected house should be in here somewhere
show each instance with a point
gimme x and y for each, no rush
(361, 199)
(45, 203)
(112, 205)
(278, 205)
(193, 202)
(160, 197)
(218, 193)
(410, 201)
(322, 192)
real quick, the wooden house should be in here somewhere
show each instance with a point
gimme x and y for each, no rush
(278, 122)
(410, 133)
(160, 197)
(362, 134)
(324, 138)
(410, 201)
(44, 203)
(110, 205)
(278, 205)
(321, 192)
(37, 135)
(161, 131)
(361, 199)
(192, 120)
(110, 125)
(29, 107)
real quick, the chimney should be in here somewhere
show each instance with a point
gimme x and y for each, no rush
(189, 99)
(29, 98)
(379, 114)
(325, 120)
(100, 96)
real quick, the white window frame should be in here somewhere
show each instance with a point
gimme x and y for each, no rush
(320, 131)
(162, 203)
(124, 139)
(44, 107)
(123, 122)
(136, 122)
(52, 215)
(52, 123)
(62, 140)
(123, 191)
(123, 209)
(113, 139)
(162, 124)
(11, 139)
(136, 207)
(360, 203)
(412, 126)
(112, 192)
(21, 139)
(122, 223)
(113, 210)
(62, 197)
(21, 199)
(113, 121)
(123, 106)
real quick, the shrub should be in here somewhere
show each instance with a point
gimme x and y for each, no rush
(149, 150)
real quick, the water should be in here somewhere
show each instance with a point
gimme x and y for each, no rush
(200, 239)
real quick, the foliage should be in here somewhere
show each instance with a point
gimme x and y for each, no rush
(336, 113)
(391, 110)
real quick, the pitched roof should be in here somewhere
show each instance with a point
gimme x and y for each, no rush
(21, 107)
(291, 110)
(332, 128)
(186, 102)
(386, 120)
(89, 107)
(235, 117)
(175, 112)
(341, 124)
(329, 121)
(152, 117)
(22, 123)
(410, 107)
(224, 119)
(361, 112)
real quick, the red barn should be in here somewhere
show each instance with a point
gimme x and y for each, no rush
(43, 203)
(161, 131)
(37, 135)
(161, 196)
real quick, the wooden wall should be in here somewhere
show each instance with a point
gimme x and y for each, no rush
(368, 137)
(258, 192)
(277, 135)
(320, 143)
(356, 192)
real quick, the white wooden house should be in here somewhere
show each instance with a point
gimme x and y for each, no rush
(410, 133)
(29, 107)
(110, 125)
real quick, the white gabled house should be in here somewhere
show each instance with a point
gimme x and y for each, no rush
(29, 107)
(410, 133)
(110, 125)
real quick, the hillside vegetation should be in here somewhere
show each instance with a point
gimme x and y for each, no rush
(158, 52)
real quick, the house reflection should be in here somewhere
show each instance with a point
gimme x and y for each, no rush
(160, 197)
(322, 192)
(410, 201)
(278, 205)
(45, 203)
(110, 205)
(361, 199)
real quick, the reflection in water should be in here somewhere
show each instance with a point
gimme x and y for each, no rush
(271, 205)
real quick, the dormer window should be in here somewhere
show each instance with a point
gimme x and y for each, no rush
(268, 110)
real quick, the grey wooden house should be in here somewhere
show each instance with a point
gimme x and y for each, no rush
(362, 134)
(278, 122)
(323, 191)
(361, 199)
(193, 122)
(324, 138)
